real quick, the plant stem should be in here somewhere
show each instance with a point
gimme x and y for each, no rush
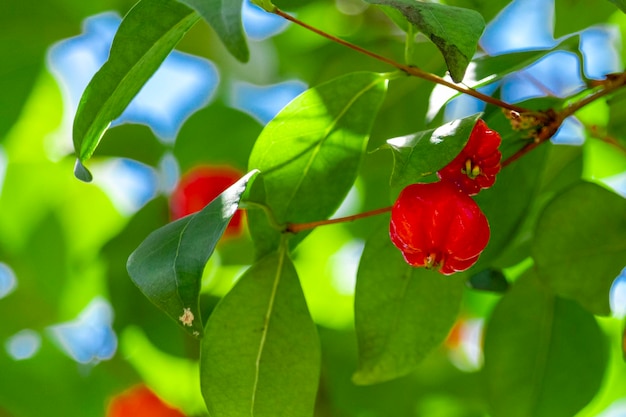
(299, 227)
(411, 70)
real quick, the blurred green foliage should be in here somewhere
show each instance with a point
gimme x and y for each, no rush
(67, 242)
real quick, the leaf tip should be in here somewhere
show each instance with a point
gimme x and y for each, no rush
(81, 172)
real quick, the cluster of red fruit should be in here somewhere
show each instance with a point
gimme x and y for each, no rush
(438, 225)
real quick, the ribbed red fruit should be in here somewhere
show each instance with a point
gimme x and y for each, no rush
(199, 186)
(140, 401)
(478, 163)
(438, 227)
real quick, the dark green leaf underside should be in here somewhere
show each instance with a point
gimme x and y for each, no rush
(454, 30)
(224, 16)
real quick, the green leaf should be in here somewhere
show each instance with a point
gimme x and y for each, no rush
(167, 266)
(506, 204)
(617, 117)
(488, 69)
(575, 15)
(489, 280)
(401, 313)
(146, 148)
(310, 153)
(454, 30)
(544, 356)
(224, 16)
(620, 3)
(261, 354)
(145, 37)
(229, 140)
(579, 247)
(423, 153)
(488, 8)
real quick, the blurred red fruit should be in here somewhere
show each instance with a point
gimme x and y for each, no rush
(478, 163)
(199, 186)
(438, 227)
(140, 401)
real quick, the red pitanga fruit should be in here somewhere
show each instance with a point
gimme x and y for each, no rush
(475, 168)
(198, 187)
(438, 227)
(140, 401)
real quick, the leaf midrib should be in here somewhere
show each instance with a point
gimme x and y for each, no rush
(268, 316)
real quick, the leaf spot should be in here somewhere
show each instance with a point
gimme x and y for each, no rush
(187, 317)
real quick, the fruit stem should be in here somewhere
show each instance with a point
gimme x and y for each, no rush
(409, 69)
(299, 227)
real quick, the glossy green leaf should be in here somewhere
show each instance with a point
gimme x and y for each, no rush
(423, 153)
(579, 246)
(167, 266)
(260, 355)
(544, 356)
(401, 313)
(145, 37)
(224, 16)
(315, 143)
(454, 30)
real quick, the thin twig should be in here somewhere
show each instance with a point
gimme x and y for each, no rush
(414, 71)
(299, 227)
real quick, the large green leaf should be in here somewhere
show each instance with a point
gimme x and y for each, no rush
(310, 153)
(423, 153)
(401, 313)
(579, 246)
(224, 16)
(544, 356)
(454, 30)
(260, 354)
(167, 266)
(145, 37)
